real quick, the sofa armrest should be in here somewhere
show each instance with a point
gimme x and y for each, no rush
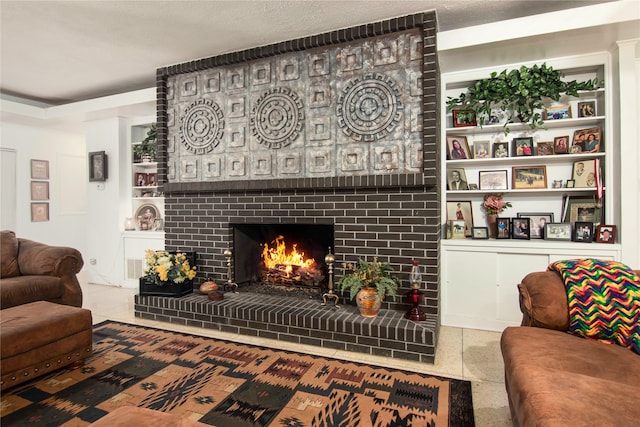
(36, 258)
(543, 301)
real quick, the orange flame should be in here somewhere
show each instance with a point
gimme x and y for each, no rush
(278, 255)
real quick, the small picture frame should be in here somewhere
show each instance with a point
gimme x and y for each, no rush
(584, 173)
(473, 186)
(458, 148)
(538, 222)
(480, 233)
(493, 179)
(606, 234)
(587, 109)
(588, 140)
(457, 229)
(557, 231)
(583, 209)
(557, 112)
(500, 150)
(39, 212)
(529, 177)
(583, 232)
(39, 169)
(523, 146)
(98, 166)
(545, 149)
(503, 226)
(521, 228)
(457, 180)
(571, 183)
(461, 211)
(39, 190)
(463, 118)
(561, 144)
(481, 149)
(152, 180)
(141, 179)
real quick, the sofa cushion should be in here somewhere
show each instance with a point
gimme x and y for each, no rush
(25, 289)
(543, 301)
(8, 254)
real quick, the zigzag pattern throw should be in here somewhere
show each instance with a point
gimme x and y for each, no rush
(604, 300)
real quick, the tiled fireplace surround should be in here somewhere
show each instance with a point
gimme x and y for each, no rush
(396, 217)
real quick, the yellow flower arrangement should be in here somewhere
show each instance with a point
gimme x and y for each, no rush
(163, 266)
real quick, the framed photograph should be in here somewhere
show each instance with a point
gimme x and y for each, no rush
(98, 167)
(521, 228)
(152, 179)
(544, 148)
(480, 233)
(461, 211)
(146, 216)
(583, 232)
(39, 190)
(587, 109)
(557, 112)
(561, 144)
(529, 177)
(39, 212)
(581, 209)
(606, 234)
(39, 169)
(500, 150)
(584, 173)
(523, 146)
(493, 179)
(537, 223)
(571, 183)
(557, 183)
(557, 231)
(473, 186)
(457, 229)
(503, 225)
(141, 179)
(481, 149)
(457, 179)
(463, 118)
(588, 140)
(458, 148)
(575, 149)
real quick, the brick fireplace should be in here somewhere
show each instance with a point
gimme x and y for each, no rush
(392, 215)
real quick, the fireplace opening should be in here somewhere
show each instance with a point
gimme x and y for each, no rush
(282, 259)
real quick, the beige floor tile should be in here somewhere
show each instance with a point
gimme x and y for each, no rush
(490, 404)
(481, 356)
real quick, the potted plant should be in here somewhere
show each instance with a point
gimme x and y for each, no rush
(168, 273)
(519, 93)
(368, 283)
(147, 149)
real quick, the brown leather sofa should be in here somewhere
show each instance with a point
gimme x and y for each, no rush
(32, 271)
(554, 378)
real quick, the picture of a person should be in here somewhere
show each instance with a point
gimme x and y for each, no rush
(481, 151)
(501, 151)
(591, 179)
(560, 145)
(605, 235)
(456, 182)
(579, 169)
(592, 144)
(457, 152)
(459, 214)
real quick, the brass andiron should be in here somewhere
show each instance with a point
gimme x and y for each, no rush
(330, 259)
(230, 283)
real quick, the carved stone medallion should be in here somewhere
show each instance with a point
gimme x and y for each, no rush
(369, 108)
(276, 118)
(202, 126)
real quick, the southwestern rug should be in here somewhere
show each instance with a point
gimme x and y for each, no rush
(226, 384)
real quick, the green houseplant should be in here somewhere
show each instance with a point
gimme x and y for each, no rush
(148, 147)
(519, 92)
(368, 283)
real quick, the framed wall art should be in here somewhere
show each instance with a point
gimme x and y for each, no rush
(39, 190)
(529, 177)
(457, 180)
(557, 231)
(39, 169)
(583, 210)
(39, 212)
(461, 211)
(493, 179)
(98, 166)
(458, 147)
(463, 118)
(584, 173)
(588, 140)
(457, 229)
(557, 112)
(606, 234)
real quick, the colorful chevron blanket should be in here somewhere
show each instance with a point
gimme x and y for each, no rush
(604, 300)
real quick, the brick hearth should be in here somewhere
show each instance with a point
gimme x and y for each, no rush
(302, 321)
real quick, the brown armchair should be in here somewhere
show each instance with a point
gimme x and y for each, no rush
(32, 271)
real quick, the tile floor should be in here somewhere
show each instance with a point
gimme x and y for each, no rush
(461, 353)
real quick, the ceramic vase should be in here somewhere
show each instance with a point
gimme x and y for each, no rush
(368, 302)
(493, 229)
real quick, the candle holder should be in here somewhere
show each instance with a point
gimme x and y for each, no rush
(414, 296)
(228, 253)
(330, 259)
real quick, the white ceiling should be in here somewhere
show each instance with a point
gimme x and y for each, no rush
(58, 52)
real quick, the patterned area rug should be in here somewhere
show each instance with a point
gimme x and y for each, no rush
(225, 384)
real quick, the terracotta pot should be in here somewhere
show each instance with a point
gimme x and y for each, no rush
(368, 302)
(491, 222)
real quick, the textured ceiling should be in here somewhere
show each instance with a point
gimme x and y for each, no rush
(58, 52)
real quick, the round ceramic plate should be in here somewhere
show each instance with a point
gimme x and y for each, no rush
(146, 215)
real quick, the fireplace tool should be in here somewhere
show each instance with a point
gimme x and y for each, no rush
(230, 283)
(330, 259)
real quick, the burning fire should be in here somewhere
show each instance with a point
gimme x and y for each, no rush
(278, 256)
